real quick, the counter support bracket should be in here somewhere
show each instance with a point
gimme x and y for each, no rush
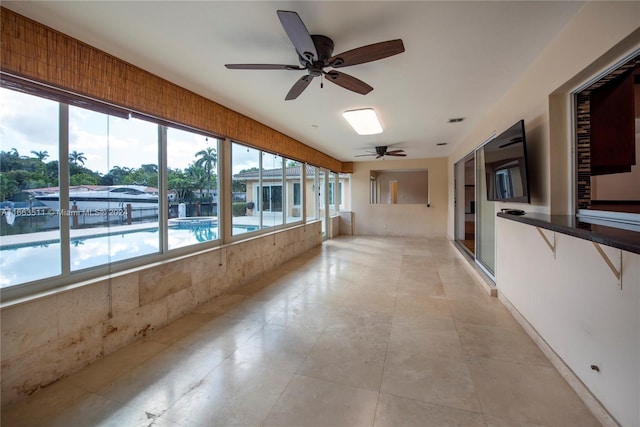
(616, 270)
(552, 246)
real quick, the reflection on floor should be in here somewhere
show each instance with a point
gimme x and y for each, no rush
(363, 331)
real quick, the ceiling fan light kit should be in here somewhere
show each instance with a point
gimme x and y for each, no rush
(364, 121)
(315, 53)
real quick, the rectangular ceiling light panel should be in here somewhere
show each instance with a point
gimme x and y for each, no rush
(365, 121)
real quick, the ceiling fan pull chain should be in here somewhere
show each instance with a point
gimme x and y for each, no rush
(321, 81)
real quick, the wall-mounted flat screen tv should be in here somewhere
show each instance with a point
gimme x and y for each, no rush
(505, 165)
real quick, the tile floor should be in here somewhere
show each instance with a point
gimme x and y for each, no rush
(363, 331)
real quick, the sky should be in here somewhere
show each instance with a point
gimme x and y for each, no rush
(29, 123)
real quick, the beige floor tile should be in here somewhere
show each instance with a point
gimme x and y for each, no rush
(420, 307)
(63, 405)
(221, 335)
(494, 342)
(502, 422)
(437, 380)
(349, 358)
(394, 411)
(97, 375)
(235, 394)
(311, 402)
(528, 394)
(484, 310)
(432, 339)
(162, 380)
(277, 347)
(370, 323)
(303, 314)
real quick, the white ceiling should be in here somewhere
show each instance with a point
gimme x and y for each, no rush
(460, 59)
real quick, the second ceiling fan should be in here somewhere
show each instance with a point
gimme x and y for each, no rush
(315, 53)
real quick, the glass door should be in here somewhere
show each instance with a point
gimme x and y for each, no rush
(486, 220)
(465, 203)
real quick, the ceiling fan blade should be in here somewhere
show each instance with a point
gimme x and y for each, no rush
(368, 53)
(365, 155)
(298, 34)
(348, 82)
(298, 87)
(396, 154)
(262, 67)
(392, 152)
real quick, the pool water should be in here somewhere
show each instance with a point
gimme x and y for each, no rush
(26, 263)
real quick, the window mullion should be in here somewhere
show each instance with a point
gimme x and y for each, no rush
(63, 184)
(163, 186)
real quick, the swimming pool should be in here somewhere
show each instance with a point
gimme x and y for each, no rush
(39, 260)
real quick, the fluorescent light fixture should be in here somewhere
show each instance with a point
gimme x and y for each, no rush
(364, 121)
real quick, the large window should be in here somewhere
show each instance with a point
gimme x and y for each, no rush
(334, 195)
(312, 192)
(293, 183)
(245, 197)
(113, 196)
(271, 189)
(85, 191)
(29, 230)
(192, 188)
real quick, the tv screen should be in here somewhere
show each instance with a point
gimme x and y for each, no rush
(505, 165)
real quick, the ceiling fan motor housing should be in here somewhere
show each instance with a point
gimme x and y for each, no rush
(324, 49)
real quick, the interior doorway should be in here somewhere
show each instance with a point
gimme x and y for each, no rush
(465, 200)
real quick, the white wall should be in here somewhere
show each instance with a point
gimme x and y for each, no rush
(402, 219)
(572, 299)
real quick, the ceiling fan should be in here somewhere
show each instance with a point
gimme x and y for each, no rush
(315, 52)
(382, 151)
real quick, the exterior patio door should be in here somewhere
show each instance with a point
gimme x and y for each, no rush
(272, 198)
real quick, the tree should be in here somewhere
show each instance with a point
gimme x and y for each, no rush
(198, 177)
(75, 157)
(178, 182)
(83, 178)
(9, 187)
(208, 160)
(41, 155)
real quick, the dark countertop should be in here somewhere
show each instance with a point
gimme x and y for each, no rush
(568, 224)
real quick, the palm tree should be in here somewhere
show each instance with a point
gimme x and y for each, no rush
(41, 155)
(75, 157)
(198, 177)
(208, 160)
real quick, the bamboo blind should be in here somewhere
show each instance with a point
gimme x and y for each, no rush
(31, 50)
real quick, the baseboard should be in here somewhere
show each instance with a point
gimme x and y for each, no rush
(594, 405)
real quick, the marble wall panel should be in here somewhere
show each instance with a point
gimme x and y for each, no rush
(127, 327)
(26, 373)
(28, 326)
(83, 306)
(125, 293)
(163, 280)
